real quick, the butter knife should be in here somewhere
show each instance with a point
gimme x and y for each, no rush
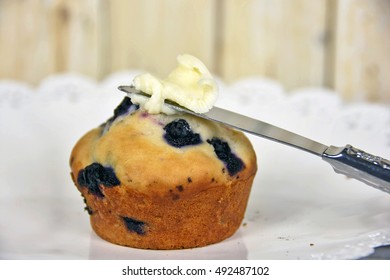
(348, 160)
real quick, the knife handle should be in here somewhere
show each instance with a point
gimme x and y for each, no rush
(357, 164)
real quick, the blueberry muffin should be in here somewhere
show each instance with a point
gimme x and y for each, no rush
(158, 181)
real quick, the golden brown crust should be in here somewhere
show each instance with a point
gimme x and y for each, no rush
(173, 197)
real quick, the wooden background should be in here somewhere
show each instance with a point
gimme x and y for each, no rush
(344, 45)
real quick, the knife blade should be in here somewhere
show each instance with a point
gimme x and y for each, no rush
(348, 160)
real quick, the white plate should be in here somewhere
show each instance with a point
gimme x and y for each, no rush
(298, 209)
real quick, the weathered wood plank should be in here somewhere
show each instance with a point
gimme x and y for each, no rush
(9, 26)
(275, 38)
(74, 34)
(39, 38)
(363, 50)
(25, 52)
(343, 44)
(150, 34)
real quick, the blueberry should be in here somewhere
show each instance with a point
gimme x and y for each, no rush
(134, 225)
(179, 134)
(125, 107)
(224, 153)
(95, 175)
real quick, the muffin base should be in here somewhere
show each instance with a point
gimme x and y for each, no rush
(176, 220)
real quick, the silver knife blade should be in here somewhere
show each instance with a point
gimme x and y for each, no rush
(263, 129)
(348, 160)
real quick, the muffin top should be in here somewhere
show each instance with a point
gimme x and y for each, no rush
(146, 150)
(147, 145)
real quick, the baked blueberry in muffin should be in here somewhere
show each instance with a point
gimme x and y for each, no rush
(179, 134)
(224, 153)
(95, 176)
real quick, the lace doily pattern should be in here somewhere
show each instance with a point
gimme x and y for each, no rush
(299, 208)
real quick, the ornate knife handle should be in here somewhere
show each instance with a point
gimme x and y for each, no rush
(357, 164)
